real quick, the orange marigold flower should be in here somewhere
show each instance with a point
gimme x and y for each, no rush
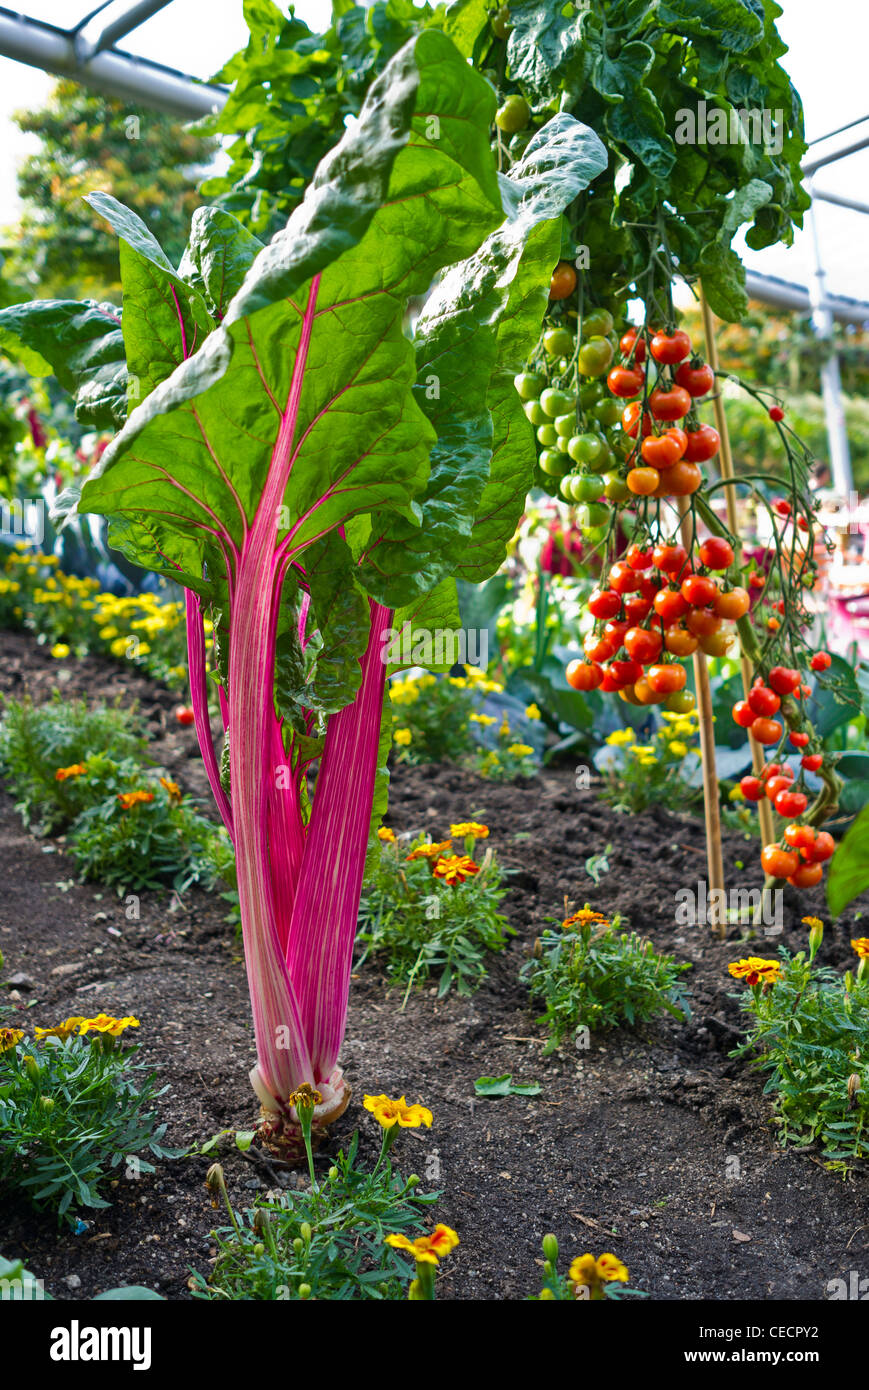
(386, 835)
(590, 1273)
(130, 799)
(9, 1037)
(455, 868)
(427, 1249)
(172, 788)
(430, 851)
(105, 1023)
(397, 1112)
(755, 971)
(61, 1030)
(74, 770)
(860, 944)
(470, 829)
(583, 916)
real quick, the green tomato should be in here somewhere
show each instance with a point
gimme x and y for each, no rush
(501, 26)
(552, 463)
(529, 385)
(535, 413)
(615, 488)
(597, 323)
(514, 115)
(586, 488)
(556, 402)
(561, 443)
(595, 356)
(603, 463)
(558, 342)
(566, 488)
(589, 394)
(608, 412)
(593, 514)
(594, 534)
(566, 424)
(585, 448)
(547, 437)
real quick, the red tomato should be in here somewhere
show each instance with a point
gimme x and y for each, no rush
(630, 343)
(626, 381)
(703, 444)
(716, 553)
(806, 876)
(821, 661)
(702, 622)
(764, 702)
(800, 836)
(699, 591)
(751, 788)
(604, 603)
(614, 632)
(743, 714)
(638, 558)
(663, 450)
(766, 731)
(784, 679)
(812, 762)
(664, 680)
(583, 675)
(670, 605)
(778, 862)
(671, 347)
(670, 558)
(776, 413)
(798, 740)
(597, 648)
(824, 846)
(680, 480)
(790, 804)
(184, 714)
(643, 645)
(698, 381)
(625, 672)
(669, 405)
(607, 685)
(623, 579)
(637, 607)
(631, 420)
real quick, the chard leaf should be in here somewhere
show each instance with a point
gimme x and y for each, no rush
(82, 344)
(410, 187)
(218, 256)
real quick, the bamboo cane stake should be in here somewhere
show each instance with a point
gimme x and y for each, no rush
(712, 812)
(726, 465)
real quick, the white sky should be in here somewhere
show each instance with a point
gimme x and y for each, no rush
(826, 62)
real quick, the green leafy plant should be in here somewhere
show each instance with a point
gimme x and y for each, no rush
(73, 1109)
(38, 741)
(809, 1030)
(150, 843)
(849, 871)
(655, 772)
(326, 1243)
(421, 923)
(589, 974)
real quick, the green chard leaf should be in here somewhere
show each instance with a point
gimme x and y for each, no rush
(81, 343)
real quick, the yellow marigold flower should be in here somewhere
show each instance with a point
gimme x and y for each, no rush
(755, 971)
(172, 788)
(9, 1037)
(504, 731)
(812, 922)
(387, 835)
(520, 750)
(678, 748)
(591, 1272)
(74, 770)
(459, 682)
(619, 737)
(860, 944)
(430, 851)
(427, 1249)
(403, 737)
(736, 793)
(427, 681)
(306, 1097)
(491, 687)
(455, 868)
(470, 828)
(119, 646)
(107, 633)
(532, 712)
(105, 1023)
(583, 916)
(484, 719)
(389, 1112)
(60, 650)
(130, 799)
(403, 692)
(61, 1030)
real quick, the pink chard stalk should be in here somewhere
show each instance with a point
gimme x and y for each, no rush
(318, 481)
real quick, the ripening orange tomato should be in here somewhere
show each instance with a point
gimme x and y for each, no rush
(679, 641)
(583, 675)
(778, 862)
(702, 622)
(680, 480)
(717, 643)
(732, 603)
(664, 680)
(643, 481)
(806, 876)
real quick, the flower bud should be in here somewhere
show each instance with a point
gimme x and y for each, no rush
(46, 1102)
(333, 1174)
(853, 1088)
(306, 1232)
(298, 1245)
(816, 936)
(31, 1066)
(546, 1295)
(260, 1221)
(414, 1180)
(259, 1249)
(304, 1291)
(550, 1248)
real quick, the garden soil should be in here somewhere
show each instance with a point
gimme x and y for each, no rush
(652, 1143)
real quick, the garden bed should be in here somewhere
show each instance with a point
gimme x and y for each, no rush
(654, 1143)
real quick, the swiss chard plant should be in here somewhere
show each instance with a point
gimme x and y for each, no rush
(317, 474)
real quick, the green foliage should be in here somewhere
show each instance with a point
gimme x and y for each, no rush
(150, 845)
(38, 740)
(465, 719)
(421, 925)
(809, 1031)
(653, 773)
(71, 1113)
(756, 447)
(849, 869)
(591, 975)
(89, 142)
(326, 1243)
(630, 69)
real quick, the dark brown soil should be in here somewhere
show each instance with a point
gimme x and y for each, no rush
(653, 1143)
